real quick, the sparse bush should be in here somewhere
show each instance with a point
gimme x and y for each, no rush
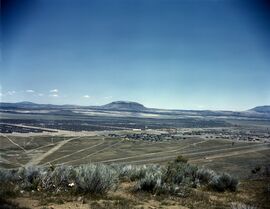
(6, 175)
(134, 172)
(176, 178)
(224, 182)
(180, 173)
(29, 177)
(154, 182)
(57, 178)
(97, 179)
(130, 172)
(181, 159)
(151, 181)
(86, 178)
(205, 175)
(257, 169)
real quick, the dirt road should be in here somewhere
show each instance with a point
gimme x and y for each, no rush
(38, 159)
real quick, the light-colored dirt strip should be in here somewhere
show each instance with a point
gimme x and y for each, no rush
(17, 145)
(152, 153)
(231, 154)
(37, 160)
(32, 138)
(157, 159)
(47, 145)
(247, 149)
(94, 153)
(57, 130)
(225, 149)
(29, 126)
(184, 153)
(81, 150)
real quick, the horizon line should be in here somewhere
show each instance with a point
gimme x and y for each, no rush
(172, 109)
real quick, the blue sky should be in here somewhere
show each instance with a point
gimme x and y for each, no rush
(180, 54)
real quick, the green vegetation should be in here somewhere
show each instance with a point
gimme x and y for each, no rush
(224, 182)
(100, 185)
(173, 178)
(179, 176)
(97, 179)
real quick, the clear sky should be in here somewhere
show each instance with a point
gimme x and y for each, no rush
(180, 54)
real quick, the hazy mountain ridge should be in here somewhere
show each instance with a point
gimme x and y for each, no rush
(133, 107)
(261, 109)
(31, 105)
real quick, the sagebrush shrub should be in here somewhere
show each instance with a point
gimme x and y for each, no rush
(151, 181)
(95, 178)
(29, 177)
(224, 182)
(58, 177)
(7, 175)
(177, 173)
(176, 178)
(86, 178)
(130, 172)
(205, 175)
(134, 172)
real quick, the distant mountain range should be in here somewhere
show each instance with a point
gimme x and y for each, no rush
(118, 105)
(135, 108)
(261, 109)
(31, 105)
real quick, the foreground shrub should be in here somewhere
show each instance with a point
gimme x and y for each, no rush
(58, 178)
(180, 173)
(130, 172)
(173, 180)
(8, 176)
(86, 178)
(217, 182)
(134, 172)
(224, 182)
(176, 178)
(179, 177)
(97, 179)
(29, 177)
(205, 175)
(151, 182)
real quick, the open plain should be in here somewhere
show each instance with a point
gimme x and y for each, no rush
(234, 143)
